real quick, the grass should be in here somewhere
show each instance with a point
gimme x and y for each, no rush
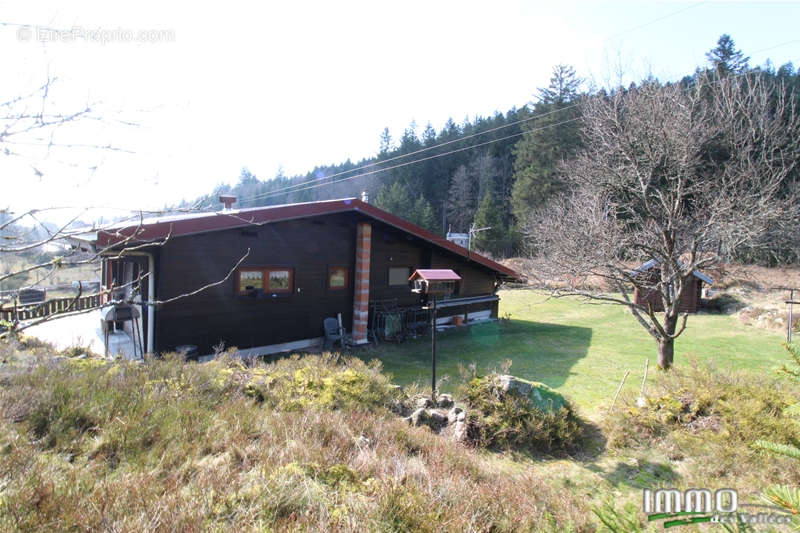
(582, 350)
(314, 442)
(87, 445)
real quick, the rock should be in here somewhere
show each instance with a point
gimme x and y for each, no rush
(462, 417)
(452, 416)
(437, 418)
(540, 395)
(460, 431)
(420, 417)
(423, 403)
(508, 383)
(445, 401)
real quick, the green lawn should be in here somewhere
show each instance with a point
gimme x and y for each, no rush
(579, 348)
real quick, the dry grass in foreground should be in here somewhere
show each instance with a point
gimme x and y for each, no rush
(311, 443)
(304, 443)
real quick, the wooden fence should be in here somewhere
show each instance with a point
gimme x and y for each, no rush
(18, 313)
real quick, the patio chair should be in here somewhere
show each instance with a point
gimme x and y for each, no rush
(332, 333)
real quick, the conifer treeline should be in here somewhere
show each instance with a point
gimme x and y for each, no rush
(514, 170)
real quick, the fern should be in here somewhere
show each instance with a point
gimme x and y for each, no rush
(778, 449)
(794, 353)
(625, 521)
(792, 410)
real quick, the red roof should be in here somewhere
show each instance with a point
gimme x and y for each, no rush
(435, 274)
(156, 228)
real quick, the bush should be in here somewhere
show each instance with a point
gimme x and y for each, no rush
(699, 411)
(510, 420)
(300, 444)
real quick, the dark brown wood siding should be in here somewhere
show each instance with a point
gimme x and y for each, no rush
(475, 280)
(218, 315)
(393, 248)
(309, 246)
(690, 302)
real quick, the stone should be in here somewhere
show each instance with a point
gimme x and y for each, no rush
(423, 403)
(460, 431)
(508, 383)
(420, 417)
(445, 401)
(437, 418)
(452, 415)
(540, 395)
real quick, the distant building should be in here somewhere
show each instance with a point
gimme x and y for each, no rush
(461, 239)
(651, 272)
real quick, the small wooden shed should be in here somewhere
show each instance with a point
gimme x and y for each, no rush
(689, 303)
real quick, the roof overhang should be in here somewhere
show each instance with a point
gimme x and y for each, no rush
(158, 229)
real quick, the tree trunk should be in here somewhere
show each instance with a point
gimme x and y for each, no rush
(666, 351)
(666, 346)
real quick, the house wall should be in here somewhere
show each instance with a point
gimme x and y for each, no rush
(218, 314)
(689, 303)
(393, 248)
(309, 246)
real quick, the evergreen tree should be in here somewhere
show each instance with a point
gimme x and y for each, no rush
(725, 58)
(462, 200)
(386, 143)
(548, 141)
(395, 199)
(494, 240)
(422, 214)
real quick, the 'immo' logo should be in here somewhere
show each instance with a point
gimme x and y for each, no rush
(690, 501)
(693, 506)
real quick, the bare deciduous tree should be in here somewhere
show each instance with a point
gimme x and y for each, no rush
(680, 176)
(33, 129)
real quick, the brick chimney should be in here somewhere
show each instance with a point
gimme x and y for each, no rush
(361, 294)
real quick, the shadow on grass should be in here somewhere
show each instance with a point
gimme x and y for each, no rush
(539, 351)
(642, 475)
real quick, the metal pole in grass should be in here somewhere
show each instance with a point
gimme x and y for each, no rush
(432, 282)
(433, 347)
(618, 391)
(791, 318)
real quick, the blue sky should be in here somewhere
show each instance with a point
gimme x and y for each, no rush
(291, 85)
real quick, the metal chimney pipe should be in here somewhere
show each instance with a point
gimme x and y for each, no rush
(364, 197)
(228, 200)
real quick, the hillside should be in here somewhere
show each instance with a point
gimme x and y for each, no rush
(320, 443)
(493, 171)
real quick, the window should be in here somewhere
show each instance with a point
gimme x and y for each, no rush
(280, 280)
(253, 280)
(250, 279)
(338, 277)
(399, 275)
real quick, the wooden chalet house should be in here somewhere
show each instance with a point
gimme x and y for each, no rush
(306, 262)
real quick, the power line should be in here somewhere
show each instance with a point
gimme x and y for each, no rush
(299, 186)
(457, 150)
(296, 187)
(313, 184)
(659, 19)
